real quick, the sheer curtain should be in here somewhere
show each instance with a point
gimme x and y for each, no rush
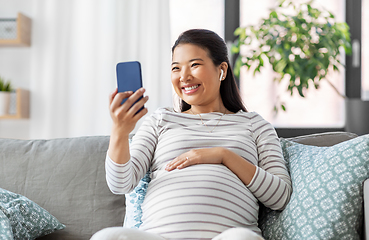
(75, 47)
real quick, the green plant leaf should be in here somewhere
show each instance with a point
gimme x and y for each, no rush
(303, 43)
(273, 14)
(283, 107)
(5, 86)
(237, 67)
(235, 49)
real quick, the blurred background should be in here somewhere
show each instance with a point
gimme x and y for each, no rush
(69, 66)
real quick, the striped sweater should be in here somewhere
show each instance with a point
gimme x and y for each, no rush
(201, 201)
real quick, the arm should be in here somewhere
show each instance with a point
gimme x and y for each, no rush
(271, 183)
(119, 170)
(123, 178)
(124, 121)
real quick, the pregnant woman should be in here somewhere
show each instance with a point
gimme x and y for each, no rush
(211, 162)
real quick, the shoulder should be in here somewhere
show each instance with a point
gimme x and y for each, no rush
(256, 120)
(164, 114)
(164, 110)
(252, 116)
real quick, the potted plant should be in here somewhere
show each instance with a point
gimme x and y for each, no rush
(5, 90)
(302, 43)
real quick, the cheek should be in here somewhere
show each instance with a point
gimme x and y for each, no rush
(175, 76)
(176, 83)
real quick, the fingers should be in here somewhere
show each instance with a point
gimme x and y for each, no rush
(112, 95)
(197, 156)
(137, 107)
(126, 115)
(117, 98)
(129, 106)
(175, 163)
(140, 112)
(180, 162)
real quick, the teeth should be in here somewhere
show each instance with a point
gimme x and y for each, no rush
(191, 88)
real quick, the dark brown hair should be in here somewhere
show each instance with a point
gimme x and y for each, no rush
(217, 50)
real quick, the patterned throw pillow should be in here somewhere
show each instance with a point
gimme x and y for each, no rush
(5, 228)
(133, 203)
(26, 219)
(327, 197)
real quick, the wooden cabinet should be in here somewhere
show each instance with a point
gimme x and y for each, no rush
(21, 105)
(15, 32)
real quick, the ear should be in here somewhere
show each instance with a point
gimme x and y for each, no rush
(223, 66)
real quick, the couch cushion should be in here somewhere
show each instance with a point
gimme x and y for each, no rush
(134, 200)
(26, 218)
(6, 232)
(323, 139)
(67, 178)
(327, 197)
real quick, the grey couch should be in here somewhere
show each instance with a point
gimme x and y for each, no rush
(67, 178)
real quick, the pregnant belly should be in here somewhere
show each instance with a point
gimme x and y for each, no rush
(198, 201)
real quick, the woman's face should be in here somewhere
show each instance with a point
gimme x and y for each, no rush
(195, 78)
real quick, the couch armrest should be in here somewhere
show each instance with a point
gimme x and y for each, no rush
(366, 209)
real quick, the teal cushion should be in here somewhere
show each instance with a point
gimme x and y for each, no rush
(5, 228)
(26, 219)
(134, 200)
(133, 203)
(327, 197)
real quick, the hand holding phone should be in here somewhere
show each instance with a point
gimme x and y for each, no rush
(129, 77)
(126, 116)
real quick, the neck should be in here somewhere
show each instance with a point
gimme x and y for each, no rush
(199, 110)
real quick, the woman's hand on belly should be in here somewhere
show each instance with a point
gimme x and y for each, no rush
(197, 156)
(244, 169)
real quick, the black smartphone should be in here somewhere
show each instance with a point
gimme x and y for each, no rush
(129, 77)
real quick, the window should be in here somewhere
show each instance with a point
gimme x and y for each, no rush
(320, 108)
(365, 49)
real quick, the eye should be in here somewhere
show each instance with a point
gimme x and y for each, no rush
(175, 69)
(195, 64)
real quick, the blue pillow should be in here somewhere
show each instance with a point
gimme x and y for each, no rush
(327, 197)
(6, 232)
(26, 219)
(134, 200)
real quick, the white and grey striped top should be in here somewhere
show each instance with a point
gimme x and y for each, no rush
(201, 201)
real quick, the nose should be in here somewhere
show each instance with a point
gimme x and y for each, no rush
(185, 75)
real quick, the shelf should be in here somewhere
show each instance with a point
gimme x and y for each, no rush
(20, 103)
(15, 31)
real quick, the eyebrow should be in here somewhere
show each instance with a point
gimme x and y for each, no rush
(192, 60)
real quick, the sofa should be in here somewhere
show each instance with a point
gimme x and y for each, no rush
(66, 178)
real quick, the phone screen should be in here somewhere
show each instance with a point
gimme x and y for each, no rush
(129, 77)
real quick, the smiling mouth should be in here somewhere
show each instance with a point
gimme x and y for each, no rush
(191, 88)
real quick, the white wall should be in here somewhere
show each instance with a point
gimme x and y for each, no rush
(15, 66)
(69, 76)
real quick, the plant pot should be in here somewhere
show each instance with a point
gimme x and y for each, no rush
(4, 103)
(357, 116)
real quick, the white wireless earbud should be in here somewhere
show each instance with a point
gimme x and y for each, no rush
(221, 74)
